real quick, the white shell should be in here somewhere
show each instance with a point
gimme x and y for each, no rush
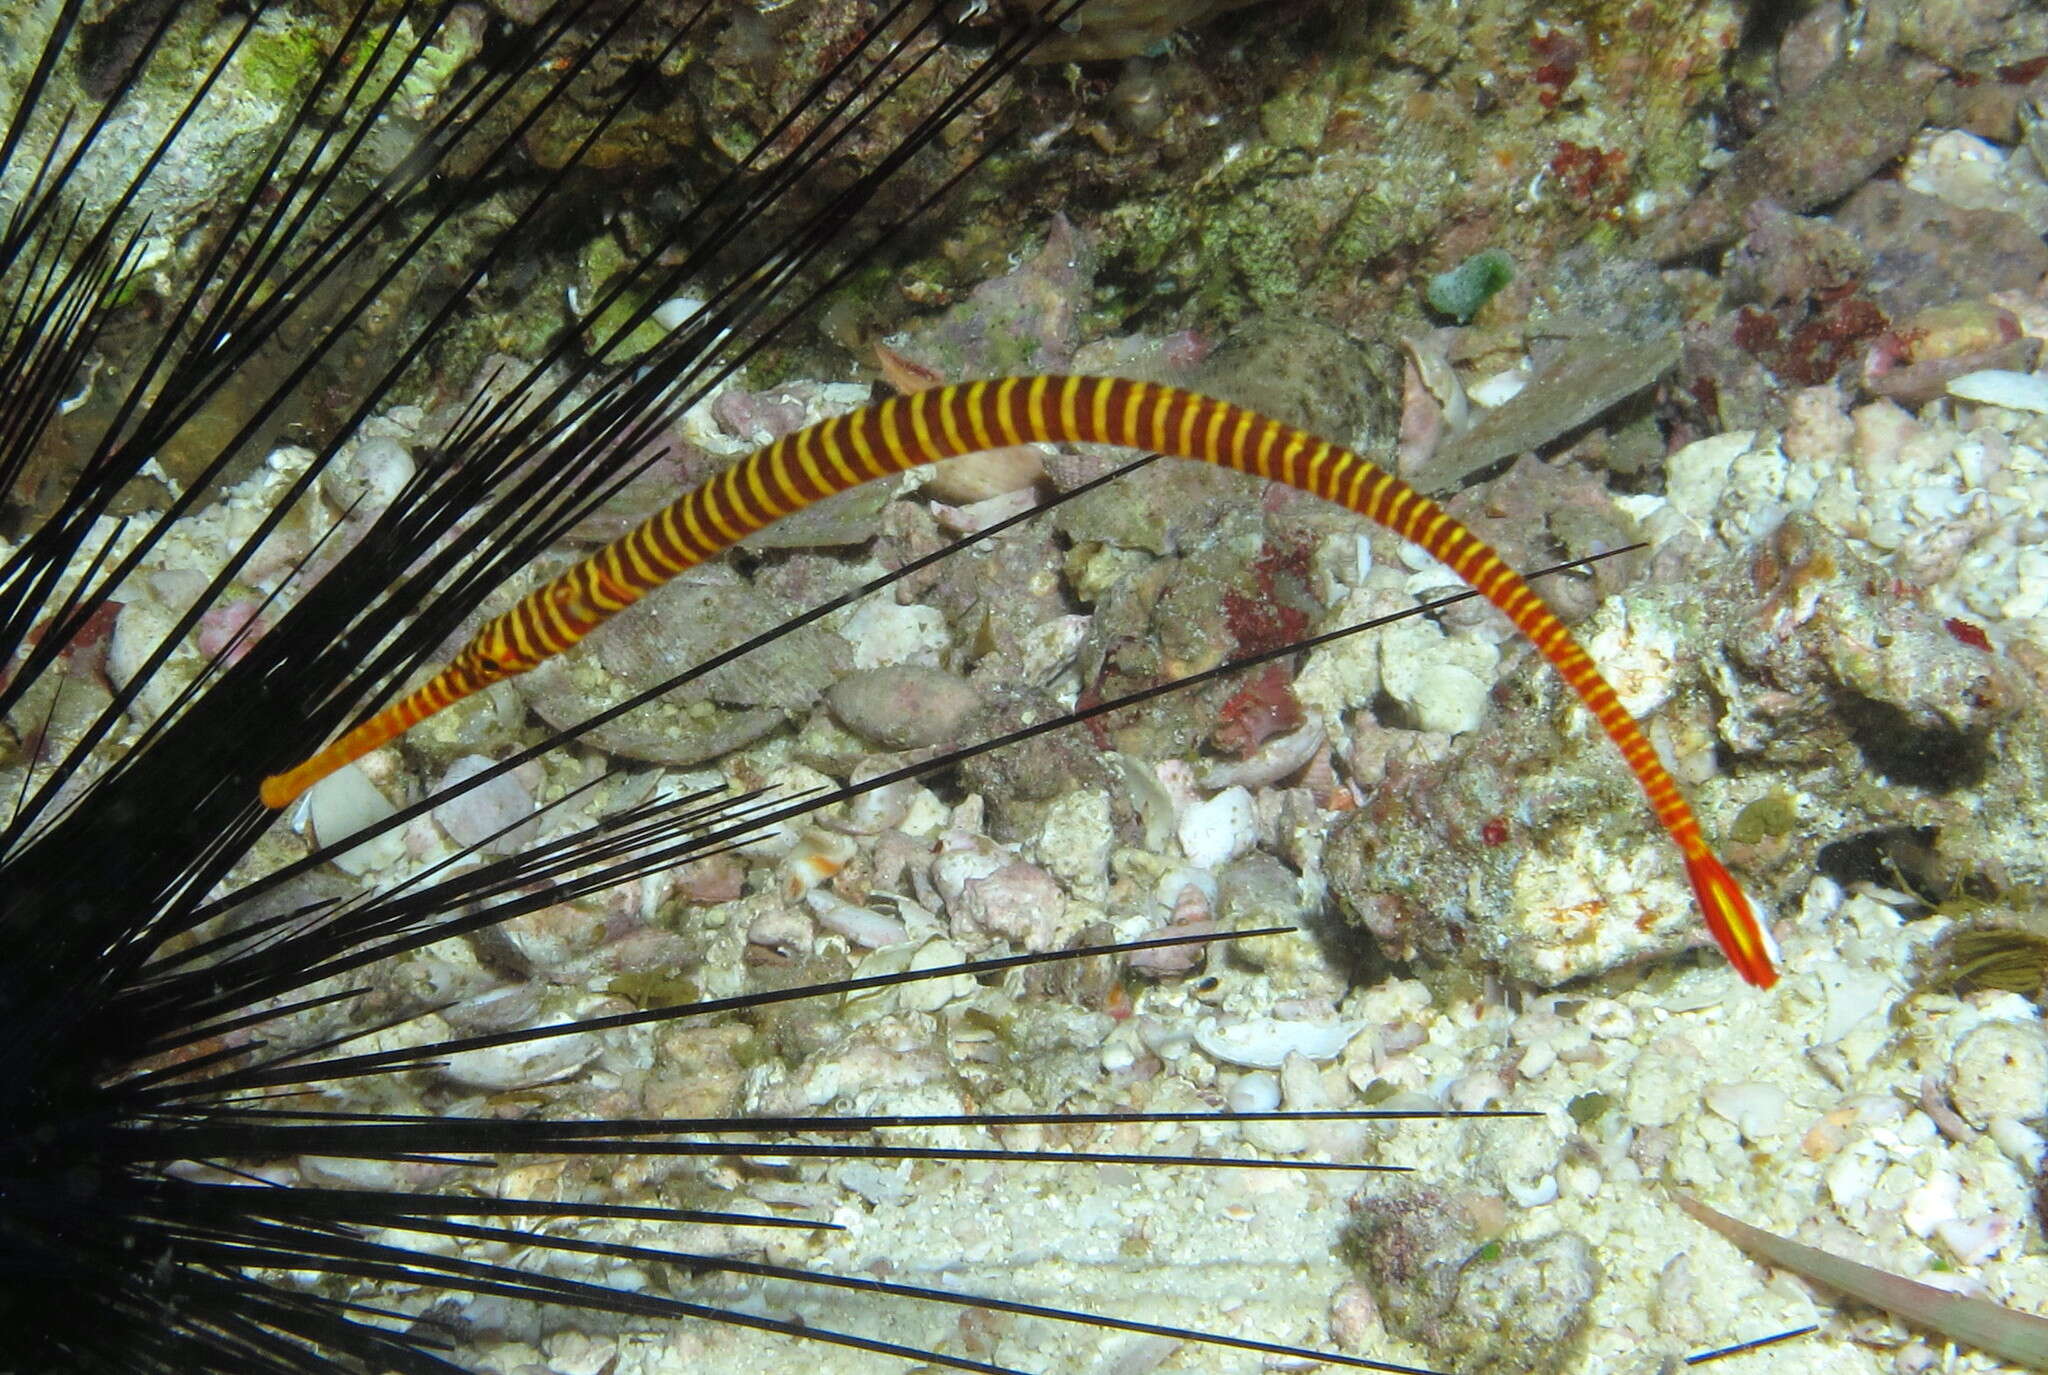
(2016, 391)
(677, 311)
(345, 802)
(1500, 388)
(497, 816)
(523, 1064)
(1269, 763)
(858, 924)
(1265, 1043)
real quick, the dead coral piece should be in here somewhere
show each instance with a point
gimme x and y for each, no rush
(1925, 252)
(1479, 1306)
(1591, 376)
(1823, 145)
(903, 706)
(673, 628)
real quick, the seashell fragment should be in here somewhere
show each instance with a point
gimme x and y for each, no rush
(344, 803)
(816, 857)
(1269, 763)
(868, 929)
(1757, 1110)
(1266, 1042)
(496, 816)
(1220, 829)
(2015, 391)
(523, 1064)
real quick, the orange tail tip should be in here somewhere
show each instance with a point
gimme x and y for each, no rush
(1733, 921)
(281, 789)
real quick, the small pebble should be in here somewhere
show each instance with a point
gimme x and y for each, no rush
(495, 817)
(1478, 1091)
(1116, 1056)
(1354, 1317)
(1607, 1019)
(903, 706)
(1757, 1110)
(1996, 1066)
(1258, 1091)
(780, 930)
(930, 995)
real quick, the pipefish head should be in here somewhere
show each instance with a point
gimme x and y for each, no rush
(491, 656)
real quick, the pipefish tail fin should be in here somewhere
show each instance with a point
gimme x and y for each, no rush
(905, 432)
(1743, 938)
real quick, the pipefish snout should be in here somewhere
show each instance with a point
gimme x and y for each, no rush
(944, 422)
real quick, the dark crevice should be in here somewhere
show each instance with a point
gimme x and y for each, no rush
(1910, 754)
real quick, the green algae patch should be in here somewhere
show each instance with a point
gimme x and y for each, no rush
(1460, 292)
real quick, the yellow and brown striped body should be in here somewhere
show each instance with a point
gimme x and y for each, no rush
(945, 422)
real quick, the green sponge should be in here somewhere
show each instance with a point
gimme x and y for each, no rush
(1471, 284)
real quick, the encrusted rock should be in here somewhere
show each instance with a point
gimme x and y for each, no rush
(1477, 1305)
(904, 706)
(668, 631)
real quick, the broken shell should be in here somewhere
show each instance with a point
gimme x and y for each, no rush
(868, 929)
(2015, 391)
(344, 803)
(1933, 1203)
(990, 473)
(925, 995)
(496, 817)
(1270, 762)
(816, 857)
(1219, 830)
(523, 1064)
(885, 807)
(1265, 1043)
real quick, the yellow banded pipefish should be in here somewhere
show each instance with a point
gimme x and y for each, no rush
(944, 422)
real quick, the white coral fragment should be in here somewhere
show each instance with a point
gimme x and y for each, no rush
(1440, 681)
(1220, 829)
